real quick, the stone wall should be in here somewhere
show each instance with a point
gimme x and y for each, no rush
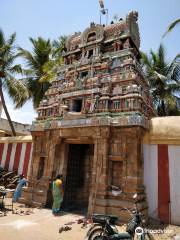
(20, 128)
(124, 169)
(117, 161)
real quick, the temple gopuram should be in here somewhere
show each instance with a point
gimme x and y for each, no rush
(91, 123)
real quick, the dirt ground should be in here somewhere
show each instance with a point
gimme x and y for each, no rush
(40, 224)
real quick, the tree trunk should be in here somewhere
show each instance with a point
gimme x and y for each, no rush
(6, 111)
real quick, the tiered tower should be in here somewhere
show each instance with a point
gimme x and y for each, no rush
(100, 98)
(101, 78)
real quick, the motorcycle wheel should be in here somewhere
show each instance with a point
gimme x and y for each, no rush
(98, 234)
(146, 236)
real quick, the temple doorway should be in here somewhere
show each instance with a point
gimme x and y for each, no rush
(78, 177)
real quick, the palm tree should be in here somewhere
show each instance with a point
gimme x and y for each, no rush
(172, 26)
(35, 61)
(59, 46)
(51, 67)
(164, 81)
(8, 70)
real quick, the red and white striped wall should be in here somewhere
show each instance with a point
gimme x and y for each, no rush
(16, 154)
(162, 181)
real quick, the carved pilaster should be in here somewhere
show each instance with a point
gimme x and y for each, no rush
(53, 142)
(100, 169)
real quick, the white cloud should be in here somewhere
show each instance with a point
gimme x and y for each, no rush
(22, 115)
(26, 114)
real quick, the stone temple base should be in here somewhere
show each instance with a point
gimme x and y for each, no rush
(112, 157)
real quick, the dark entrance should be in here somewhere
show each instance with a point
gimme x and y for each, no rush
(78, 177)
(77, 105)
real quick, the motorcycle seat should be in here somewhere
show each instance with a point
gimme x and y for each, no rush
(119, 236)
(101, 218)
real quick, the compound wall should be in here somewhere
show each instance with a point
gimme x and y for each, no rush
(16, 153)
(162, 169)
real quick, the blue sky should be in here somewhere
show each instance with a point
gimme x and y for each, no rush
(52, 18)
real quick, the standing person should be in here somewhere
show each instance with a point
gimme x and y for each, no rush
(57, 193)
(21, 183)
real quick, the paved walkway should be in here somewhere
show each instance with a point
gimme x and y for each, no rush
(39, 225)
(42, 225)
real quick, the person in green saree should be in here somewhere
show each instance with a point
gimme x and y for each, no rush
(57, 192)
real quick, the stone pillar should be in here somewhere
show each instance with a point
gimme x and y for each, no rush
(125, 167)
(28, 192)
(99, 173)
(134, 161)
(43, 157)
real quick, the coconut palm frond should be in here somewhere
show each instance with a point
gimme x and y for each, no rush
(163, 80)
(162, 63)
(28, 57)
(146, 60)
(11, 39)
(28, 73)
(173, 72)
(176, 74)
(154, 58)
(16, 69)
(2, 40)
(160, 76)
(37, 90)
(8, 70)
(171, 27)
(59, 46)
(35, 62)
(17, 91)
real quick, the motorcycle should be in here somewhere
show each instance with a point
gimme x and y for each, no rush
(104, 228)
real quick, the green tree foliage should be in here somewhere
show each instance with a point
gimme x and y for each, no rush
(172, 26)
(42, 64)
(164, 81)
(35, 62)
(59, 46)
(8, 72)
(51, 67)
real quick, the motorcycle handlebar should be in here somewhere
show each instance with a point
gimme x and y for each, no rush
(126, 209)
(132, 211)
